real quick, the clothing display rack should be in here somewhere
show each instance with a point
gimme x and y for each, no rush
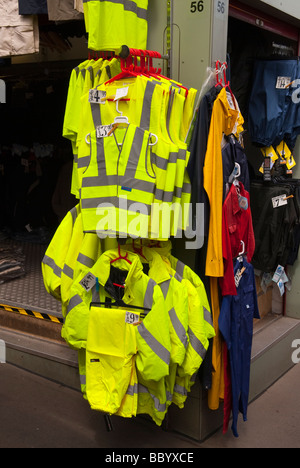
(138, 60)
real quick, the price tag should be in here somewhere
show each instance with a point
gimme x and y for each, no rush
(279, 201)
(96, 96)
(283, 82)
(88, 282)
(131, 318)
(102, 131)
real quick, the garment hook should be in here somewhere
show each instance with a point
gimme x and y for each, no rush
(156, 139)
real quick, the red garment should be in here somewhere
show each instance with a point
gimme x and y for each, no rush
(236, 227)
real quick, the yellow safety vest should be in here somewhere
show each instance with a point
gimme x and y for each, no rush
(113, 23)
(121, 176)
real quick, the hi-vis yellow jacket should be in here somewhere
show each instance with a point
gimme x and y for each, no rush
(200, 328)
(134, 296)
(176, 301)
(70, 252)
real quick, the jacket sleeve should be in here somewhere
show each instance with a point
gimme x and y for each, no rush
(55, 256)
(153, 341)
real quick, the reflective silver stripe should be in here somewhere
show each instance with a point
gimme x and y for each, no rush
(134, 155)
(155, 345)
(146, 111)
(178, 277)
(90, 70)
(74, 302)
(161, 163)
(173, 157)
(68, 271)
(85, 260)
(132, 390)
(208, 317)
(83, 162)
(100, 181)
(186, 188)
(165, 287)
(181, 154)
(74, 214)
(51, 263)
(180, 268)
(96, 113)
(128, 5)
(196, 344)
(180, 390)
(148, 298)
(178, 327)
(178, 192)
(160, 407)
(114, 203)
(82, 380)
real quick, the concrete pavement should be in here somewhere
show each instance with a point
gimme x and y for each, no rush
(38, 413)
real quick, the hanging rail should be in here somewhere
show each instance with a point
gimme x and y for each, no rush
(125, 52)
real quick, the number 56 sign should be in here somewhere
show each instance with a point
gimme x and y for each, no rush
(199, 6)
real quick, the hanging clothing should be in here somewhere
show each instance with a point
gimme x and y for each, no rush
(147, 105)
(63, 10)
(226, 119)
(236, 326)
(19, 35)
(237, 227)
(33, 7)
(139, 294)
(78, 5)
(112, 24)
(197, 148)
(233, 152)
(121, 175)
(273, 113)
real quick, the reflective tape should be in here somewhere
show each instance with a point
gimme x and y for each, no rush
(128, 5)
(155, 345)
(196, 344)
(178, 327)
(148, 298)
(51, 264)
(74, 302)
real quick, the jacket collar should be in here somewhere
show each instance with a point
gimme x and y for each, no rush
(134, 272)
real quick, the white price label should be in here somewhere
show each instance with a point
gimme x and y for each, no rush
(96, 96)
(102, 131)
(283, 82)
(132, 318)
(279, 201)
(88, 282)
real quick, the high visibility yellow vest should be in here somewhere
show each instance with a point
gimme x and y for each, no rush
(113, 23)
(121, 176)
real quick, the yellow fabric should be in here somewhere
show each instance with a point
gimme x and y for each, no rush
(110, 351)
(111, 24)
(217, 389)
(56, 253)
